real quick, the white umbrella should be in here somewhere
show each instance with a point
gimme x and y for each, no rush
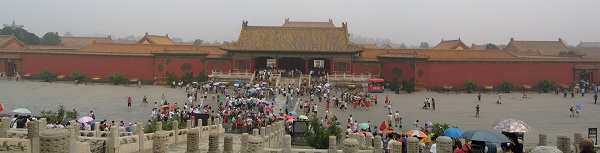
(85, 119)
(22, 110)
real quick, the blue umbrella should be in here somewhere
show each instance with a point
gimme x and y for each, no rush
(453, 132)
(485, 135)
(579, 106)
(293, 112)
(252, 90)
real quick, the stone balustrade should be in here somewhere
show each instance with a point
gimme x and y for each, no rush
(15, 145)
(266, 139)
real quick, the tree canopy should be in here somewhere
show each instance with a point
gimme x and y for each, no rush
(424, 45)
(22, 34)
(491, 46)
(51, 38)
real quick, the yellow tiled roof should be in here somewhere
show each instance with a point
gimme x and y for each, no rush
(297, 39)
(149, 48)
(156, 40)
(528, 48)
(83, 41)
(451, 44)
(5, 39)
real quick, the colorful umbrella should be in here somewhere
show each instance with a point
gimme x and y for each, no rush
(1, 107)
(416, 133)
(281, 117)
(290, 120)
(425, 139)
(429, 123)
(293, 112)
(290, 117)
(453, 132)
(304, 117)
(485, 135)
(22, 110)
(85, 119)
(512, 125)
(579, 106)
(364, 126)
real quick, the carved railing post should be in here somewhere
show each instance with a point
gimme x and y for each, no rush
(160, 142)
(54, 140)
(33, 134)
(193, 141)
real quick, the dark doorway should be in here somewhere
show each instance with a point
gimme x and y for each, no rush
(260, 63)
(291, 66)
(319, 66)
(10, 68)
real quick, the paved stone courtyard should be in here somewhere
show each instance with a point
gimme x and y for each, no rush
(546, 113)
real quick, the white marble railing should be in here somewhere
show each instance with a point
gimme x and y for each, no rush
(16, 133)
(15, 145)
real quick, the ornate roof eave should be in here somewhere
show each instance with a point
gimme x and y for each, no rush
(285, 51)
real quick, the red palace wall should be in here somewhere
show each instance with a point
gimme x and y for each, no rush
(225, 66)
(407, 72)
(362, 68)
(455, 74)
(131, 67)
(175, 65)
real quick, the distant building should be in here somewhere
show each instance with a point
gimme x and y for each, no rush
(83, 41)
(14, 26)
(289, 23)
(483, 47)
(536, 48)
(156, 40)
(588, 44)
(451, 45)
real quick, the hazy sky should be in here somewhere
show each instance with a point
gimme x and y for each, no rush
(410, 22)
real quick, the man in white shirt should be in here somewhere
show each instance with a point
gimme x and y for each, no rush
(433, 148)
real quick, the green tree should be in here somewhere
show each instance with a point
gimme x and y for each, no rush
(491, 46)
(546, 85)
(116, 78)
(437, 129)
(198, 42)
(60, 114)
(470, 86)
(78, 76)
(424, 45)
(51, 38)
(23, 35)
(507, 86)
(171, 77)
(402, 46)
(393, 84)
(408, 86)
(188, 77)
(318, 136)
(202, 76)
(46, 75)
(166, 126)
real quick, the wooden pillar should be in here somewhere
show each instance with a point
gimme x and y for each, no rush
(252, 63)
(351, 66)
(306, 67)
(276, 64)
(330, 66)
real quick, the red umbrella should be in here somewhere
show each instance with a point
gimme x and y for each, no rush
(1, 107)
(291, 117)
(382, 126)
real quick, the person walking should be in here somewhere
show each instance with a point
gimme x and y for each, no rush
(433, 103)
(129, 101)
(396, 118)
(572, 110)
(565, 93)
(477, 110)
(595, 98)
(499, 99)
(479, 97)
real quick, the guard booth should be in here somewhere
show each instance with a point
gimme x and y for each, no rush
(297, 131)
